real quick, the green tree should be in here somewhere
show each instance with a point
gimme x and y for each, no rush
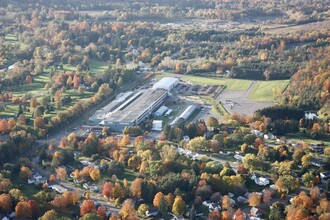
(212, 122)
(308, 179)
(179, 206)
(277, 211)
(306, 160)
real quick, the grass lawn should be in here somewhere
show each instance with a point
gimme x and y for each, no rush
(130, 175)
(231, 84)
(220, 110)
(11, 37)
(266, 91)
(95, 67)
(297, 137)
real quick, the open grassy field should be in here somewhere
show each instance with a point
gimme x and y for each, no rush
(129, 175)
(94, 65)
(14, 40)
(276, 29)
(266, 91)
(231, 84)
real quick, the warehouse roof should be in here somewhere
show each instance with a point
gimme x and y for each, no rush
(131, 111)
(166, 83)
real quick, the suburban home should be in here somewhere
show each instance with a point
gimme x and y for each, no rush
(254, 212)
(325, 175)
(152, 212)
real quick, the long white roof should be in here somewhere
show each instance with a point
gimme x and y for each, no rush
(166, 83)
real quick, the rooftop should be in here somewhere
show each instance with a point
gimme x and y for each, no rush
(128, 112)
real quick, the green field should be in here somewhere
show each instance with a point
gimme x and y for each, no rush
(14, 40)
(231, 84)
(94, 65)
(268, 91)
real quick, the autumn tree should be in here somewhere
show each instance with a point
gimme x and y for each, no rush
(5, 203)
(226, 203)
(107, 190)
(25, 173)
(95, 174)
(128, 211)
(296, 213)
(28, 79)
(125, 140)
(179, 206)
(118, 192)
(61, 173)
(87, 206)
(142, 209)
(212, 122)
(239, 215)
(254, 199)
(23, 210)
(102, 212)
(266, 195)
(214, 215)
(49, 215)
(136, 188)
(76, 82)
(33, 102)
(158, 197)
(306, 160)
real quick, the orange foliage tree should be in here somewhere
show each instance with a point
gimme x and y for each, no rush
(87, 206)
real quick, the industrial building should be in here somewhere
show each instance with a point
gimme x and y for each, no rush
(185, 115)
(167, 83)
(100, 114)
(161, 111)
(135, 109)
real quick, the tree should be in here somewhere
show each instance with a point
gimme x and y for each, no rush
(254, 199)
(87, 206)
(215, 215)
(28, 79)
(251, 161)
(5, 203)
(179, 206)
(76, 82)
(249, 139)
(23, 210)
(267, 195)
(33, 102)
(39, 122)
(61, 173)
(128, 211)
(302, 201)
(125, 140)
(287, 183)
(142, 209)
(158, 197)
(107, 190)
(296, 213)
(239, 215)
(277, 211)
(118, 192)
(136, 188)
(102, 212)
(308, 179)
(49, 215)
(25, 173)
(226, 203)
(212, 122)
(306, 160)
(95, 174)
